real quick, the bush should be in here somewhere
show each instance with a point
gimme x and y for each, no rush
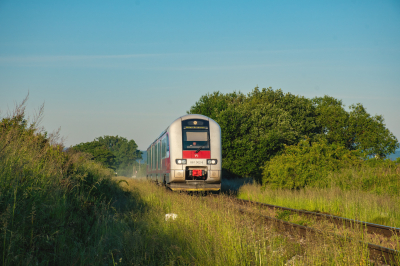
(307, 164)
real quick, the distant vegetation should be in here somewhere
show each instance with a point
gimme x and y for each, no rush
(268, 134)
(113, 152)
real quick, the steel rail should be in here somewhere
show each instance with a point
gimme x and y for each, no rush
(384, 230)
(376, 253)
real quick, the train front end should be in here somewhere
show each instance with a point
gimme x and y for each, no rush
(195, 154)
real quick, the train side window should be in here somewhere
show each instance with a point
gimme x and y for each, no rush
(167, 140)
(156, 147)
(154, 157)
(159, 155)
(163, 148)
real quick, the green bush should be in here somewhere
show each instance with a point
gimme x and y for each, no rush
(307, 164)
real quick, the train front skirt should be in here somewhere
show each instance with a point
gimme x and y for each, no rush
(194, 186)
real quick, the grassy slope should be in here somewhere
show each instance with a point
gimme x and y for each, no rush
(56, 208)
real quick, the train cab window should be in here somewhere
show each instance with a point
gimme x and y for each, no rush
(195, 134)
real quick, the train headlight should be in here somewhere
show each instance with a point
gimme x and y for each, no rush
(181, 161)
(212, 161)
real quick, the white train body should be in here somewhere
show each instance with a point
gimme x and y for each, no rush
(187, 155)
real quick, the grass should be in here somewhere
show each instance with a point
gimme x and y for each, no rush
(200, 235)
(368, 192)
(353, 204)
(210, 231)
(56, 208)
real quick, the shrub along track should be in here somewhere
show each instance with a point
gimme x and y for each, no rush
(376, 253)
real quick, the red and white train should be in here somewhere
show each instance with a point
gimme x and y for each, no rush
(187, 155)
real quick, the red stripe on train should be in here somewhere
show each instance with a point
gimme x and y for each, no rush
(194, 155)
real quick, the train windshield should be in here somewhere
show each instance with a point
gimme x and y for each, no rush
(195, 134)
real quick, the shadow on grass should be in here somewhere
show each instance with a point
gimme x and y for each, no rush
(147, 238)
(232, 186)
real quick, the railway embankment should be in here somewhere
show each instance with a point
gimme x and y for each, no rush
(56, 207)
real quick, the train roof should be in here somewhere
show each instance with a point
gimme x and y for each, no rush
(184, 117)
(181, 118)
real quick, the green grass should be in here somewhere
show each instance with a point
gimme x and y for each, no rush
(353, 204)
(369, 191)
(201, 234)
(209, 231)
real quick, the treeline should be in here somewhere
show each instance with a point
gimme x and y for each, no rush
(259, 127)
(114, 152)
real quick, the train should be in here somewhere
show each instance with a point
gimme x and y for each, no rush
(187, 156)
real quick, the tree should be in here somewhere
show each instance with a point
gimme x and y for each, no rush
(125, 151)
(99, 153)
(212, 104)
(356, 129)
(257, 126)
(114, 152)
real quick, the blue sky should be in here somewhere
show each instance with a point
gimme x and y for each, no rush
(130, 68)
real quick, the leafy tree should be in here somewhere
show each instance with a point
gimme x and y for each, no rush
(99, 152)
(212, 104)
(125, 151)
(257, 126)
(356, 129)
(115, 152)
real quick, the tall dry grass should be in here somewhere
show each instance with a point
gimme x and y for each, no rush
(54, 205)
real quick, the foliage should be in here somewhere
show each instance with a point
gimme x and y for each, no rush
(125, 151)
(114, 152)
(53, 204)
(307, 164)
(99, 153)
(212, 104)
(257, 126)
(355, 129)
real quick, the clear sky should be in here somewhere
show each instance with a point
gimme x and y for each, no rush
(130, 68)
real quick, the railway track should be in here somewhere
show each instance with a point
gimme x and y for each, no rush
(376, 252)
